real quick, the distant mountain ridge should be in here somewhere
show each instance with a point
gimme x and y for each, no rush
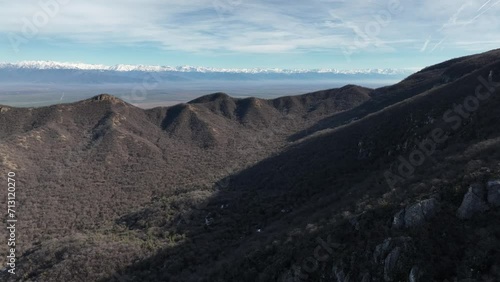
(70, 77)
(52, 65)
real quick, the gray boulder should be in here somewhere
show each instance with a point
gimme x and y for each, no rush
(390, 263)
(366, 278)
(474, 202)
(340, 274)
(398, 221)
(390, 252)
(494, 193)
(416, 214)
(414, 274)
(382, 250)
(430, 208)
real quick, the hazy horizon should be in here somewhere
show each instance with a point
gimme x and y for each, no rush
(38, 95)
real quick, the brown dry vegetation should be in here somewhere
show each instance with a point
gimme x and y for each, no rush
(112, 192)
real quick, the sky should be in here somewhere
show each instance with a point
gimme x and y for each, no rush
(248, 33)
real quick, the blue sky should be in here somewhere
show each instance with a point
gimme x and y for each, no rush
(248, 33)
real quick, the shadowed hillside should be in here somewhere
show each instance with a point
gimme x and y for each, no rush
(422, 81)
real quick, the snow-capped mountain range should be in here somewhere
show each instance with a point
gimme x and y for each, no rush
(51, 65)
(22, 81)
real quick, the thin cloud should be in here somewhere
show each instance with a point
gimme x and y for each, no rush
(484, 5)
(259, 26)
(438, 44)
(426, 43)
